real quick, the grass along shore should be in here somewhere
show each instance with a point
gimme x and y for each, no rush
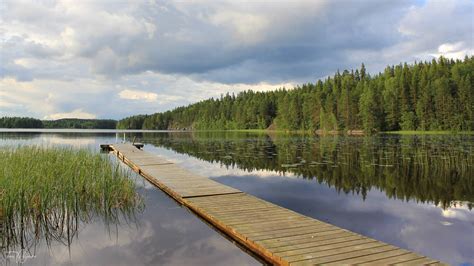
(46, 191)
(342, 132)
(428, 132)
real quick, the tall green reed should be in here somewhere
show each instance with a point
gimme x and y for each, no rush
(46, 192)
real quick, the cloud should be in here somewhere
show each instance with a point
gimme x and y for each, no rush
(431, 28)
(185, 51)
(146, 96)
(102, 97)
(77, 113)
(207, 40)
(138, 95)
(456, 50)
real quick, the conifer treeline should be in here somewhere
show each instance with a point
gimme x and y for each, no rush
(20, 122)
(436, 95)
(28, 122)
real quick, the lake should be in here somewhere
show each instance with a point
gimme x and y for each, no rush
(416, 192)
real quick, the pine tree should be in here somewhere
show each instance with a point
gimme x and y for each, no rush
(368, 109)
(391, 104)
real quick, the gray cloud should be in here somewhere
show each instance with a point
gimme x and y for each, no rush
(176, 46)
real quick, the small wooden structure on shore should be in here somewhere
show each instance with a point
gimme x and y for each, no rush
(277, 235)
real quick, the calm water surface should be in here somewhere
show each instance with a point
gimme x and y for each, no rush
(416, 192)
(163, 233)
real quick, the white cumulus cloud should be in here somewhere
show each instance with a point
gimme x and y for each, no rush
(456, 50)
(138, 95)
(77, 113)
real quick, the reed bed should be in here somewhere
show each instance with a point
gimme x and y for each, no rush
(48, 191)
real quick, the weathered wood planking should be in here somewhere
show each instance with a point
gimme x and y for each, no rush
(277, 235)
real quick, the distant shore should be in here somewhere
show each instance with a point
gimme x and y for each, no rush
(263, 131)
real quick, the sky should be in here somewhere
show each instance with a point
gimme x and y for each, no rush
(112, 59)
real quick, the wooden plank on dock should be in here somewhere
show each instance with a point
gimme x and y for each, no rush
(277, 235)
(181, 181)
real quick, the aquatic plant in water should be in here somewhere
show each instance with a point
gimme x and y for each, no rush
(47, 192)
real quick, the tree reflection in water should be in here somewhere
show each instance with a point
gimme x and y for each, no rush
(431, 168)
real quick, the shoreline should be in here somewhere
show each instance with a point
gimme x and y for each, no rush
(266, 131)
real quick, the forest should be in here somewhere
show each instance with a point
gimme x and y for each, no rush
(81, 123)
(434, 95)
(27, 122)
(20, 122)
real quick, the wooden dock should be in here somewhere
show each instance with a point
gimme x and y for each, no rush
(277, 235)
